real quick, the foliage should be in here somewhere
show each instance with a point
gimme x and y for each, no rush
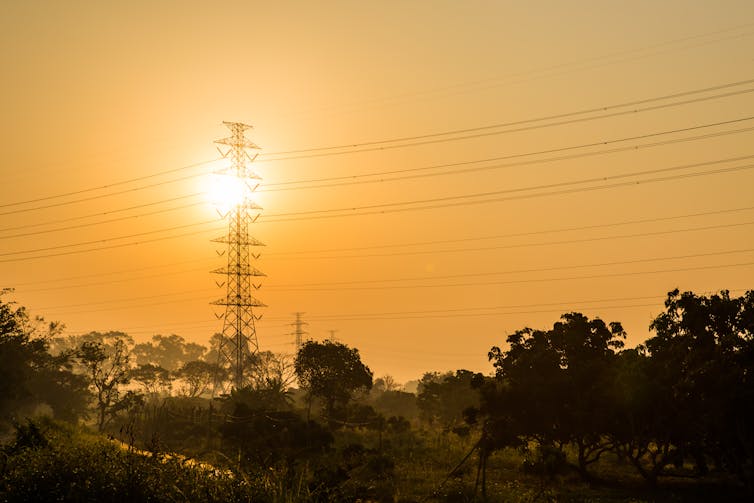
(29, 374)
(442, 398)
(69, 465)
(107, 369)
(267, 369)
(263, 436)
(169, 352)
(197, 377)
(358, 474)
(702, 361)
(152, 378)
(331, 371)
(558, 383)
(395, 403)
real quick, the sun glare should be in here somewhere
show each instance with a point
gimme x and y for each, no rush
(225, 191)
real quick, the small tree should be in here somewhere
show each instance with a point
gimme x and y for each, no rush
(331, 371)
(197, 376)
(442, 398)
(107, 372)
(152, 378)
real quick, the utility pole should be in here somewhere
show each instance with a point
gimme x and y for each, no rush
(299, 330)
(238, 340)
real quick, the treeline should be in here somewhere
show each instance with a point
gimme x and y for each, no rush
(683, 400)
(318, 426)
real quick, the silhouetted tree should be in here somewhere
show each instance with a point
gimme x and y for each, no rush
(152, 378)
(168, 352)
(331, 371)
(196, 377)
(266, 369)
(29, 374)
(702, 356)
(556, 382)
(442, 398)
(107, 369)
(263, 436)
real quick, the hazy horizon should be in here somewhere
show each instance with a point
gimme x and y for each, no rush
(436, 175)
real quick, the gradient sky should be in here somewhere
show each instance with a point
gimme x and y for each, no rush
(97, 93)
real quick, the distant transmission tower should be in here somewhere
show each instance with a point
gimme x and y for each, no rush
(239, 336)
(299, 330)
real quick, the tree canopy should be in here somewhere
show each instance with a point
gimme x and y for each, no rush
(331, 371)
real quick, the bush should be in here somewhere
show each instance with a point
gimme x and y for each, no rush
(70, 465)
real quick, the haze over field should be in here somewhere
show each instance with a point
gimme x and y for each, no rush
(436, 175)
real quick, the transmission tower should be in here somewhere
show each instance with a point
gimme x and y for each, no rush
(238, 341)
(299, 330)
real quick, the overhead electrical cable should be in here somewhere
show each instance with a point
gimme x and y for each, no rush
(424, 168)
(134, 243)
(416, 137)
(556, 117)
(119, 280)
(88, 198)
(523, 281)
(104, 213)
(527, 245)
(101, 222)
(115, 184)
(430, 142)
(450, 201)
(430, 314)
(133, 277)
(337, 284)
(535, 161)
(358, 179)
(110, 273)
(519, 234)
(105, 240)
(574, 65)
(128, 299)
(513, 271)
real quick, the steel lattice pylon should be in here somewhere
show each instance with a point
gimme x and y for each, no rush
(238, 341)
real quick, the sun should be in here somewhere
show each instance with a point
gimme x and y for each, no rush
(225, 191)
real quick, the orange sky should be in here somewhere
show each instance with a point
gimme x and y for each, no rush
(98, 93)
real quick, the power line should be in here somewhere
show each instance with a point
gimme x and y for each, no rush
(90, 224)
(445, 133)
(114, 184)
(520, 234)
(514, 271)
(584, 64)
(124, 271)
(549, 243)
(105, 240)
(429, 142)
(111, 281)
(537, 280)
(135, 243)
(359, 178)
(594, 179)
(338, 284)
(545, 243)
(91, 198)
(424, 168)
(129, 299)
(431, 203)
(462, 312)
(153, 203)
(543, 118)
(420, 243)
